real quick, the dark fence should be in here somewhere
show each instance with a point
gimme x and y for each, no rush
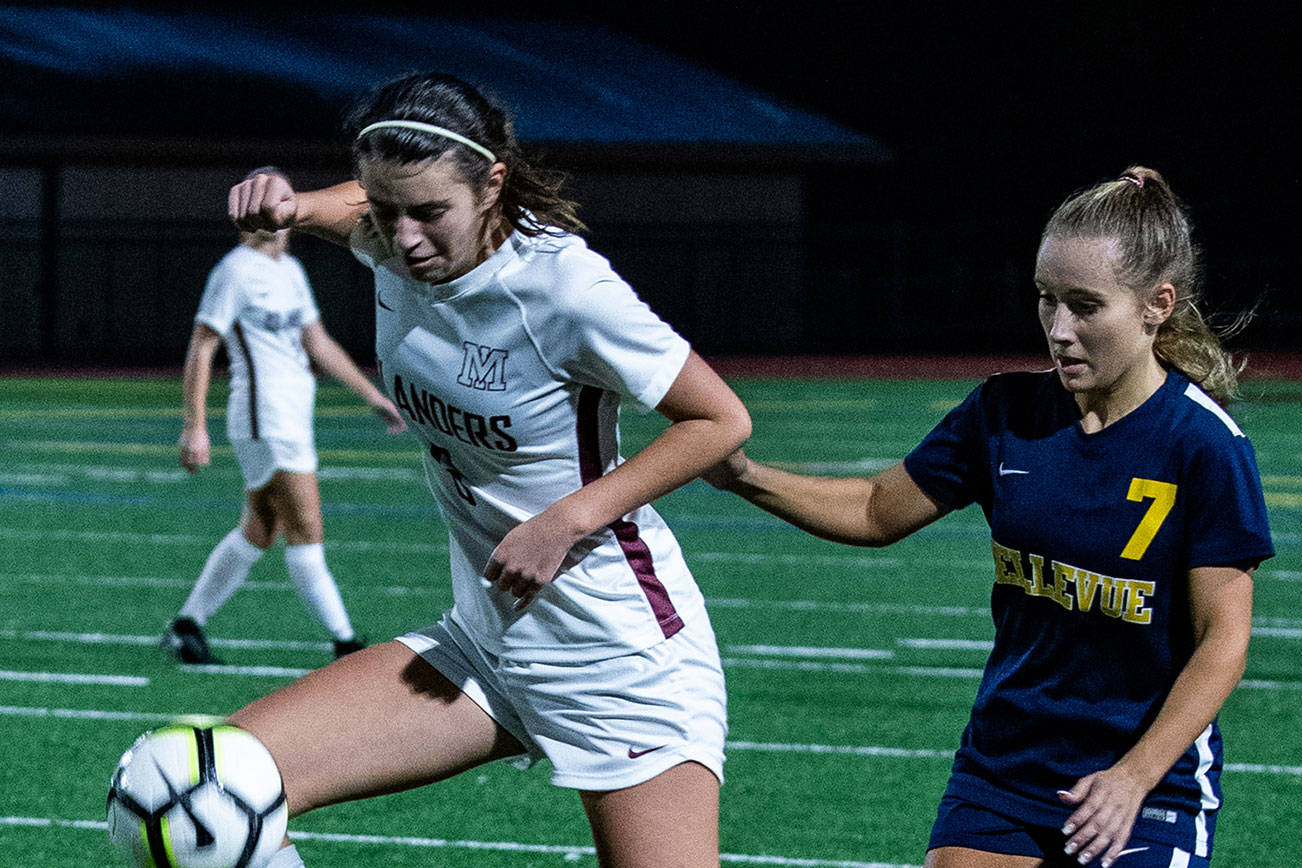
(106, 265)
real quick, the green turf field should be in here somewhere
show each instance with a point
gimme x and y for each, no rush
(850, 671)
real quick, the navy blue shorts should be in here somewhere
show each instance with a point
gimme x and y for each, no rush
(961, 823)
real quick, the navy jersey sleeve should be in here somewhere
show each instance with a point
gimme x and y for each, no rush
(1227, 516)
(948, 464)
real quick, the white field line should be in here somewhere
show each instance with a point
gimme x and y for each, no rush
(570, 853)
(254, 671)
(444, 590)
(74, 678)
(85, 714)
(800, 665)
(186, 583)
(174, 539)
(842, 749)
(927, 644)
(47, 479)
(63, 474)
(768, 663)
(806, 651)
(147, 640)
(1278, 632)
(780, 651)
(847, 668)
(785, 560)
(850, 558)
(882, 751)
(1262, 684)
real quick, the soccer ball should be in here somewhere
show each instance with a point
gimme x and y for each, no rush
(197, 794)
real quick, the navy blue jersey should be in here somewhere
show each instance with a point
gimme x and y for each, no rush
(1093, 537)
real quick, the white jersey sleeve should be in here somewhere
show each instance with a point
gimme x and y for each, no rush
(598, 332)
(223, 296)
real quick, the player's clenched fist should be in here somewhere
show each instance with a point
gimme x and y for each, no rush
(264, 201)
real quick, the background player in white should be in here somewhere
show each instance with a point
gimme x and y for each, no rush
(577, 631)
(1126, 518)
(258, 302)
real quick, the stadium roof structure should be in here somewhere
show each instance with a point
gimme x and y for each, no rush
(229, 75)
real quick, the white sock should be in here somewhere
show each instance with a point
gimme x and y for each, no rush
(286, 857)
(307, 567)
(225, 570)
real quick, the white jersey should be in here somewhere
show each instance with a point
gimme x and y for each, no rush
(511, 375)
(259, 305)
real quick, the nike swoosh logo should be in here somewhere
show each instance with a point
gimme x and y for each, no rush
(634, 754)
(1008, 471)
(1132, 850)
(379, 299)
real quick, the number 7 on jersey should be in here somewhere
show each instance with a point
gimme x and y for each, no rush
(1163, 497)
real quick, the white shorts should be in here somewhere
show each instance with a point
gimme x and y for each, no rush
(604, 725)
(260, 459)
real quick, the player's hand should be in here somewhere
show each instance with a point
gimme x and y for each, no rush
(725, 475)
(1108, 802)
(196, 449)
(393, 421)
(529, 557)
(263, 202)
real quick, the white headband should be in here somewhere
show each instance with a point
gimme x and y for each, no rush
(430, 128)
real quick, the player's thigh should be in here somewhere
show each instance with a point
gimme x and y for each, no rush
(671, 819)
(962, 857)
(376, 721)
(259, 521)
(300, 507)
(291, 502)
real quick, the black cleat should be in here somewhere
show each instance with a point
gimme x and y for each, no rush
(184, 640)
(348, 646)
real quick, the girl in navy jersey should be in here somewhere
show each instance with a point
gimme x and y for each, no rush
(1126, 519)
(577, 631)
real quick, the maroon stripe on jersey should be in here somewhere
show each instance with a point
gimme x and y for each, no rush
(253, 380)
(626, 532)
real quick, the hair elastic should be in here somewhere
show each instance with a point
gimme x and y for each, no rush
(430, 128)
(1134, 179)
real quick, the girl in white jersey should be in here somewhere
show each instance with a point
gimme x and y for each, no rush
(577, 632)
(258, 302)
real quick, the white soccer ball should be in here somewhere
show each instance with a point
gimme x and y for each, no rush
(197, 795)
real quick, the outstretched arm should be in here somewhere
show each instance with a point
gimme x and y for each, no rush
(335, 361)
(196, 448)
(269, 202)
(1220, 601)
(876, 511)
(707, 421)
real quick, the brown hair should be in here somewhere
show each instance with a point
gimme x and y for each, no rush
(531, 199)
(1152, 228)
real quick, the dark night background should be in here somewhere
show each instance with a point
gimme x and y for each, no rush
(994, 112)
(998, 111)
